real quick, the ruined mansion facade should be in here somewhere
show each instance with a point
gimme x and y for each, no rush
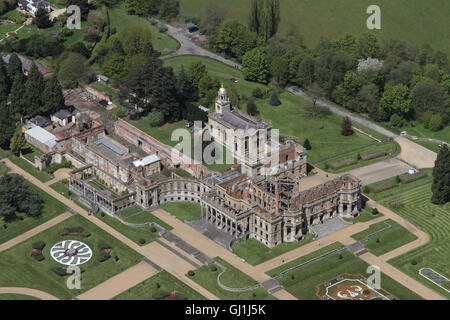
(255, 198)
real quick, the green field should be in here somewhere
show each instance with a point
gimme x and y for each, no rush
(61, 188)
(414, 21)
(412, 201)
(183, 210)
(5, 28)
(302, 282)
(232, 278)
(137, 215)
(136, 234)
(167, 283)
(364, 215)
(8, 296)
(388, 240)
(254, 252)
(20, 270)
(161, 41)
(50, 209)
(3, 169)
(40, 175)
(291, 117)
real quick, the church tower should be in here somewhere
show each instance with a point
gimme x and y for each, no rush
(222, 101)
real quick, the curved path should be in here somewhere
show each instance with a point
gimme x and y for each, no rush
(28, 292)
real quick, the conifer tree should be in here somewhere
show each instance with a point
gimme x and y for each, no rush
(274, 100)
(7, 126)
(441, 177)
(4, 81)
(307, 144)
(346, 127)
(18, 141)
(17, 97)
(34, 87)
(252, 109)
(14, 66)
(184, 86)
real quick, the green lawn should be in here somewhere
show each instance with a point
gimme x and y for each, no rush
(137, 215)
(20, 270)
(433, 146)
(61, 188)
(40, 175)
(389, 240)
(134, 233)
(5, 28)
(417, 129)
(412, 201)
(183, 210)
(254, 252)
(161, 41)
(51, 208)
(29, 151)
(3, 169)
(302, 282)
(414, 21)
(7, 296)
(233, 278)
(167, 283)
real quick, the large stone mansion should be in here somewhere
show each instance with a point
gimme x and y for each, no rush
(253, 199)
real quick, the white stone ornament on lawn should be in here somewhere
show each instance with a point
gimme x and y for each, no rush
(71, 252)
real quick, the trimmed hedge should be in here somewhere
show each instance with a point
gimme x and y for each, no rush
(372, 155)
(342, 163)
(383, 186)
(60, 271)
(37, 255)
(74, 231)
(412, 177)
(103, 256)
(179, 296)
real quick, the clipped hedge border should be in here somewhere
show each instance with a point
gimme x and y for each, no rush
(412, 177)
(342, 163)
(383, 186)
(372, 155)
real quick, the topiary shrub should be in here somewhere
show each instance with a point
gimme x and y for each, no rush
(213, 268)
(103, 256)
(60, 271)
(257, 93)
(37, 255)
(39, 245)
(413, 262)
(141, 241)
(274, 99)
(153, 229)
(191, 273)
(374, 211)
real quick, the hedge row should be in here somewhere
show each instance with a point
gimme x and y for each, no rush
(158, 295)
(37, 255)
(412, 177)
(74, 231)
(372, 155)
(342, 164)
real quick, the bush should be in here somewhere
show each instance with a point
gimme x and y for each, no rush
(274, 100)
(60, 271)
(153, 229)
(366, 189)
(160, 295)
(102, 214)
(213, 268)
(191, 273)
(37, 255)
(413, 262)
(74, 231)
(39, 245)
(155, 118)
(257, 93)
(374, 211)
(141, 241)
(307, 144)
(435, 122)
(116, 258)
(103, 256)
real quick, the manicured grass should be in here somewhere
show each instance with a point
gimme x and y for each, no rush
(254, 252)
(291, 117)
(414, 21)
(61, 188)
(137, 215)
(7, 296)
(302, 282)
(29, 151)
(20, 270)
(3, 169)
(50, 209)
(40, 175)
(233, 278)
(433, 146)
(293, 263)
(5, 28)
(412, 201)
(166, 281)
(417, 129)
(134, 233)
(389, 240)
(183, 210)
(161, 41)
(364, 215)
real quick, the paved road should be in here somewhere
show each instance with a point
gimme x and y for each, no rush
(28, 292)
